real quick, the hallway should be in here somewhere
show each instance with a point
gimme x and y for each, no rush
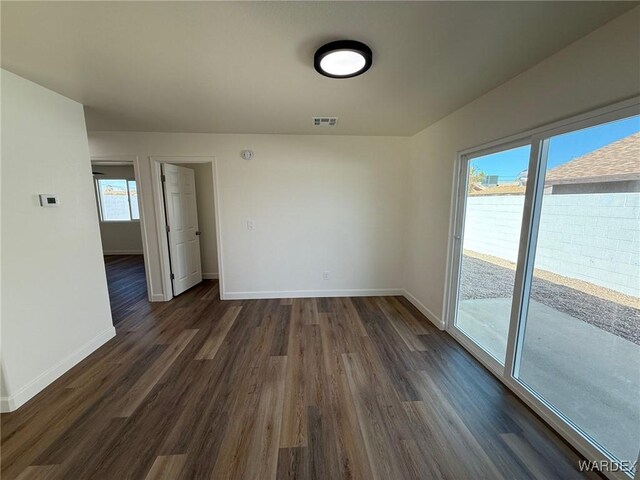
(127, 284)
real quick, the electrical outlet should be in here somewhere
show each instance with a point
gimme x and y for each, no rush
(325, 275)
(250, 225)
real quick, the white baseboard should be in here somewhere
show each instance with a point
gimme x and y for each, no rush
(7, 404)
(122, 252)
(30, 390)
(435, 319)
(209, 276)
(385, 292)
(157, 297)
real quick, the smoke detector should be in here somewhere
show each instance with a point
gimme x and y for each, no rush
(325, 121)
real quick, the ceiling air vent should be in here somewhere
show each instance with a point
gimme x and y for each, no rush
(325, 121)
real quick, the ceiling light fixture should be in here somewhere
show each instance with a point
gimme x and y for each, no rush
(343, 59)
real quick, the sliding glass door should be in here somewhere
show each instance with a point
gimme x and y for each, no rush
(546, 276)
(494, 199)
(580, 345)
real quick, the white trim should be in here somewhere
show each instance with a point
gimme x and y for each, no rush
(143, 230)
(218, 220)
(182, 158)
(382, 292)
(122, 252)
(114, 160)
(7, 404)
(111, 222)
(155, 162)
(456, 214)
(161, 234)
(526, 252)
(31, 389)
(156, 297)
(209, 276)
(451, 250)
(432, 317)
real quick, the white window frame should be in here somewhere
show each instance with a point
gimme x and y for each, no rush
(99, 200)
(538, 138)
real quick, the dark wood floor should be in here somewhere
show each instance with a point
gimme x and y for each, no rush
(306, 388)
(127, 284)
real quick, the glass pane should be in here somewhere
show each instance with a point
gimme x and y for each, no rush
(581, 345)
(493, 216)
(114, 201)
(133, 195)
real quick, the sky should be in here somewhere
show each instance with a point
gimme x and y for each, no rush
(563, 148)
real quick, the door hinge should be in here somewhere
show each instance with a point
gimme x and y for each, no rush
(163, 178)
(168, 228)
(173, 276)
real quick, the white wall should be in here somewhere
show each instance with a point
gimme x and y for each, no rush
(119, 238)
(599, 69)
(55, 308)
(206, 219)
(318, 203)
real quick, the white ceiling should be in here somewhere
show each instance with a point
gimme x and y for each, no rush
(245, 67)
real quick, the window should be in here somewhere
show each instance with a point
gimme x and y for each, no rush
(118, 200)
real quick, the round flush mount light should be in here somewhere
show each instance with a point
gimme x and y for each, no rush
(343, 59)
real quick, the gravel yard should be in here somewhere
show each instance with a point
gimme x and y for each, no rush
(482, 279)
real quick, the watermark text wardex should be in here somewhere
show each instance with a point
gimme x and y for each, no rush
(607, 466)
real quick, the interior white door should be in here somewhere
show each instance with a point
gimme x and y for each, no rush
(182, 223)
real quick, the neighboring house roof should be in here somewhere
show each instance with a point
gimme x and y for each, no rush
(498, 190)
(615, 162)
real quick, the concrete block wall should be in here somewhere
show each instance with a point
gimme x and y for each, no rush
(590, 237)
(492, 225)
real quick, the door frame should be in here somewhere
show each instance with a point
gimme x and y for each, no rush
(115, 160)
(155, 163)
(538, 138)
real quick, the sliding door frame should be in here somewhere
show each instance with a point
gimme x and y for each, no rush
(538, 138)
(462, 186)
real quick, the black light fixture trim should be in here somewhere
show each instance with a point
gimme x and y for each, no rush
(349, 45)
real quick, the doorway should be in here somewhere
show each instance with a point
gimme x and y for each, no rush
(119, 215)
(187, 222)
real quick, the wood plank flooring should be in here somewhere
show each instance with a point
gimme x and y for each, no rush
(127, 284)
(330, 388)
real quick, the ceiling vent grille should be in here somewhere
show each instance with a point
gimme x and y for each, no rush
(325, 121)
